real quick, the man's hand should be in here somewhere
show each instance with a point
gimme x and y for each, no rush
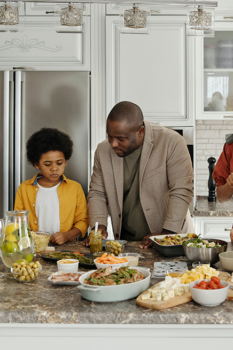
(231, 235)
(147, 242)
(59, 238)
(229, 180)
(86, 241)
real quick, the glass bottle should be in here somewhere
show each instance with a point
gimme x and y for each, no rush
(17, 240)
(95, 241)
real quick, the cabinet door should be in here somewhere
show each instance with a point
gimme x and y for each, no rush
(214, 67)
(41, 47)
(151, 70)
(39, 8)
(216, 228)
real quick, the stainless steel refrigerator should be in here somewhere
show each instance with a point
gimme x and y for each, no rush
(29, 101)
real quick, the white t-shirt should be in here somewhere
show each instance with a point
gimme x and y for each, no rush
(47, 209)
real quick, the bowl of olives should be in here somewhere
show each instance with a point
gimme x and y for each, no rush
(114, 247)
(26, 272)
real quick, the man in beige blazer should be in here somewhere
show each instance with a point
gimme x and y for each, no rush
(142, 177)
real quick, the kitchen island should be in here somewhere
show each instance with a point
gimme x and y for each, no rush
(53, 316)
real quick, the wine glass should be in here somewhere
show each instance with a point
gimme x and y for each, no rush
(2, 230)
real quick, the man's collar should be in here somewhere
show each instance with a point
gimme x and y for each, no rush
(34, 180)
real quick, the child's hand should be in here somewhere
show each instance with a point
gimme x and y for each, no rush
(59, 238)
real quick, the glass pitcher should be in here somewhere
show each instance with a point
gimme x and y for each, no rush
(17, 240)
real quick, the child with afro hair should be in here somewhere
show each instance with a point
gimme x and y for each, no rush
(57, 205)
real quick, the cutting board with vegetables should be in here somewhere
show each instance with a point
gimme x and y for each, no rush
(178, 300)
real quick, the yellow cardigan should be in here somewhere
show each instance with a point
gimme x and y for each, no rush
(72, 204)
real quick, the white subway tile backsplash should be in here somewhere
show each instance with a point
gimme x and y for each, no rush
(204, 134)
(201, 146)
(210, 139)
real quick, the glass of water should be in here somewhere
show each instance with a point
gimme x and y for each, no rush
(2, 232)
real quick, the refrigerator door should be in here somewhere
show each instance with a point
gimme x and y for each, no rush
(6, 142)
(56, 100)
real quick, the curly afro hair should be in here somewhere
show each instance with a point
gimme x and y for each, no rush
(45, 140)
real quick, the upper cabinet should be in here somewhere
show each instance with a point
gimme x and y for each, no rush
(214, 72)
(154, 71)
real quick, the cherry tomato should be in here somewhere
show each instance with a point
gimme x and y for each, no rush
(215, 279)
(213, 285)
(203, 283)
(220, 286)
(203, 286)
(197, 285)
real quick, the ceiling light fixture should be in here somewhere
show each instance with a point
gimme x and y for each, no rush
(200, 21)
(11, 17)
(134, 20)
(68, 19)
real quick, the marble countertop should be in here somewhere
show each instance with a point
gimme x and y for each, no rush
(205, 208)
(42, 302)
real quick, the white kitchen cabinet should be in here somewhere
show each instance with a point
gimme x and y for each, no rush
(214, 72)
(41, 47)
(114, 9)
(154, 71)
(39, 8)
(214, 227)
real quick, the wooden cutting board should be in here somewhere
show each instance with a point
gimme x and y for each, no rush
(178, 300)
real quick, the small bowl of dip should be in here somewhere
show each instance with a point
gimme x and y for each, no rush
(68, 265)
(132, 258)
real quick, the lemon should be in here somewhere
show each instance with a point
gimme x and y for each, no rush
(11, 238)
(11, 228)
(28, 257)
(24, 243)
(10, 247)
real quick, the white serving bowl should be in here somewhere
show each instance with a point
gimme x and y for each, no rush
(68, 267)
(117, 266)
(209, 297)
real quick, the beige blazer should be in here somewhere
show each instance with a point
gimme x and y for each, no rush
(165, 181)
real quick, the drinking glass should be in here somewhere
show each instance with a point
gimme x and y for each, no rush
(2, 228)
(17, 240)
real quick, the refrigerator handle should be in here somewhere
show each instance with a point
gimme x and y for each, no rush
(6, 141)
(17, 130)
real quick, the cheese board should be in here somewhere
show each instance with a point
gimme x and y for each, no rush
(178, 300)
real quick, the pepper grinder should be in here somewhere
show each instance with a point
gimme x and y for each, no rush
(211, 182)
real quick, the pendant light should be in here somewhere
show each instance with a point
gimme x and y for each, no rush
(200, 21)
(134, 19)
(69, 19)
(11, 17)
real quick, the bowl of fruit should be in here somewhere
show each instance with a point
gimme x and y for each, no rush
(26, 272)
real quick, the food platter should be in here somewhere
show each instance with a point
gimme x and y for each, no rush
(172, 250)
(65, 283)
(81, 264)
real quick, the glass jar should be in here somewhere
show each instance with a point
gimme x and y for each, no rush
(17, 240)
(95, 241)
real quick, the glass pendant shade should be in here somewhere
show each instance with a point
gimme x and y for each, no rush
(134, 20)
(69, 19)
(200, 21)
(11, 17)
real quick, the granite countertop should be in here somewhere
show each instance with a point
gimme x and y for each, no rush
(42, 302)
(205, 208)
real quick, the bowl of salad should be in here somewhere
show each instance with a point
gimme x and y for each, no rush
(199, 249)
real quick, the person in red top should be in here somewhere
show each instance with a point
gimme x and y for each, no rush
(223, 176)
